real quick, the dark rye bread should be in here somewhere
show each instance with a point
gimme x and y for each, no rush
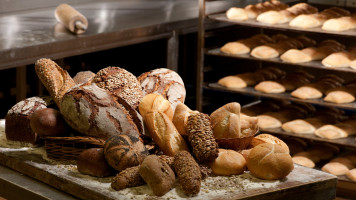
(164, 82)
(120, 83)
(17, 120)
(94, 112)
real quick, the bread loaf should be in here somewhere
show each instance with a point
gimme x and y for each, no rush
(164, 133)
(18, 118)
(92, 162)
(83, 77)
(120, 83)
(180, 118)
(93, 111)
(155, 103)
(157, 174)
(56, 80)
(49, 122)
(267, 138)
(229, 162)
(269, 161)
(164, 82)
(124, 151)
(188, 173)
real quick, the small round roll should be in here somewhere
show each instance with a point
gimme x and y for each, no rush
(229, 162)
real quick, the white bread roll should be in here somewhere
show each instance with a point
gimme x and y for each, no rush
(229, 162)
(351, 174)
(340, 24)
(295, 56)
(164, 133)
(267, 138)
(236, 14)
(155, 102)
(270, 87)
(235, 48)
(335, 168)
(307, 92)
(232, 82)
(339, 97)
(267, 121)
(331, 132)
(304, 161)
(299, 126)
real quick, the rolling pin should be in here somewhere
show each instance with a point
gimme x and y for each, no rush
(71, 18)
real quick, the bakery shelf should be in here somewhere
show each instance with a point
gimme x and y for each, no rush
(346, 142)
(312, 64)
(286, 96)
(253, 23)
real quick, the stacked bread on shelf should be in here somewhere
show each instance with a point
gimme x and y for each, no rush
(150, 136)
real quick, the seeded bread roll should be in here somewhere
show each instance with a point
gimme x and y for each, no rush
(120, 83)
(201, 138)
(83, 77)
(54, 78)
(130, 177)
(164, 82)
(18, 118)
(188, 173)
(157, 174)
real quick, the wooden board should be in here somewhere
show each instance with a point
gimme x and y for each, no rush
(297, 185)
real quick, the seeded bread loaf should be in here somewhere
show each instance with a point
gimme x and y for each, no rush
(94, 112)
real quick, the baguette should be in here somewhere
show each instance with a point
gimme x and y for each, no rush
(339, 130)
(164, 133)
(343, 94)
(340, 24)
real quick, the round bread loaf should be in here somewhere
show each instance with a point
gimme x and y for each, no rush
(124, 151)
(120, 83)
(155, 103)
(49, 122)
(229, 162)
(83, 77)
(267, 138)
(164, 82)
(94, 112)
(269, 161)
(92, 162)
(157, 174)
(17, 125)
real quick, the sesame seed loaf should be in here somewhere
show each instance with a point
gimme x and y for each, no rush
(120, 83)
(17, 125)
(54, 78)
(94, 112)
(165, 82)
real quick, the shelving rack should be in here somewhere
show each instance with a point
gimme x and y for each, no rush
(203, 51)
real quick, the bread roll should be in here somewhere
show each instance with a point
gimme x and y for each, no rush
(343, 94)
(157, 174)
(164, 133)
(49, 122)
(269, 161)
(335, 168)
(344, 161)
(180, 118)
(130, 177)
(340, 24)
(155, 103)
(339, 130)
(253, 11)
(244, 46)
(267, 138)
(303, 161)
(236, 14)
(56, 80)
(228, 163)
(339, 59)
(92, 162)
(351, 174)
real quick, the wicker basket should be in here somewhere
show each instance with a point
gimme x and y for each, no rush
(69, 148)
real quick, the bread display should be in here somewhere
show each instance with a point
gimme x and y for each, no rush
(180, 118)
(322, 50)
(286, 15)
(120, 83)
(269, 161)
(232, 130)
(92, 162)
(201, 138)
(157, 174)
(244, 46)
(273, 50)
(343, 94)
(49, 122)
(164, 133)
(164, 82)
(155, 103)
(318, 89)
(124, 151)
(340, 24)
(18, 118)
(83, 77)
(93, 111)
(129, 177)
(54, 78)
(188, 173)
(229, 162)
(317, 19)
(267, 138)
(339, 130)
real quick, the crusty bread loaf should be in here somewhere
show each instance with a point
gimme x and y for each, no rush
(164, 133)
(267, 138)
(165, 82)
(155, 103)
(335, 168)
(93, 111)
(92, 162)
(269, 161)
(180, 118)
(229, 162)
(56, 80)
